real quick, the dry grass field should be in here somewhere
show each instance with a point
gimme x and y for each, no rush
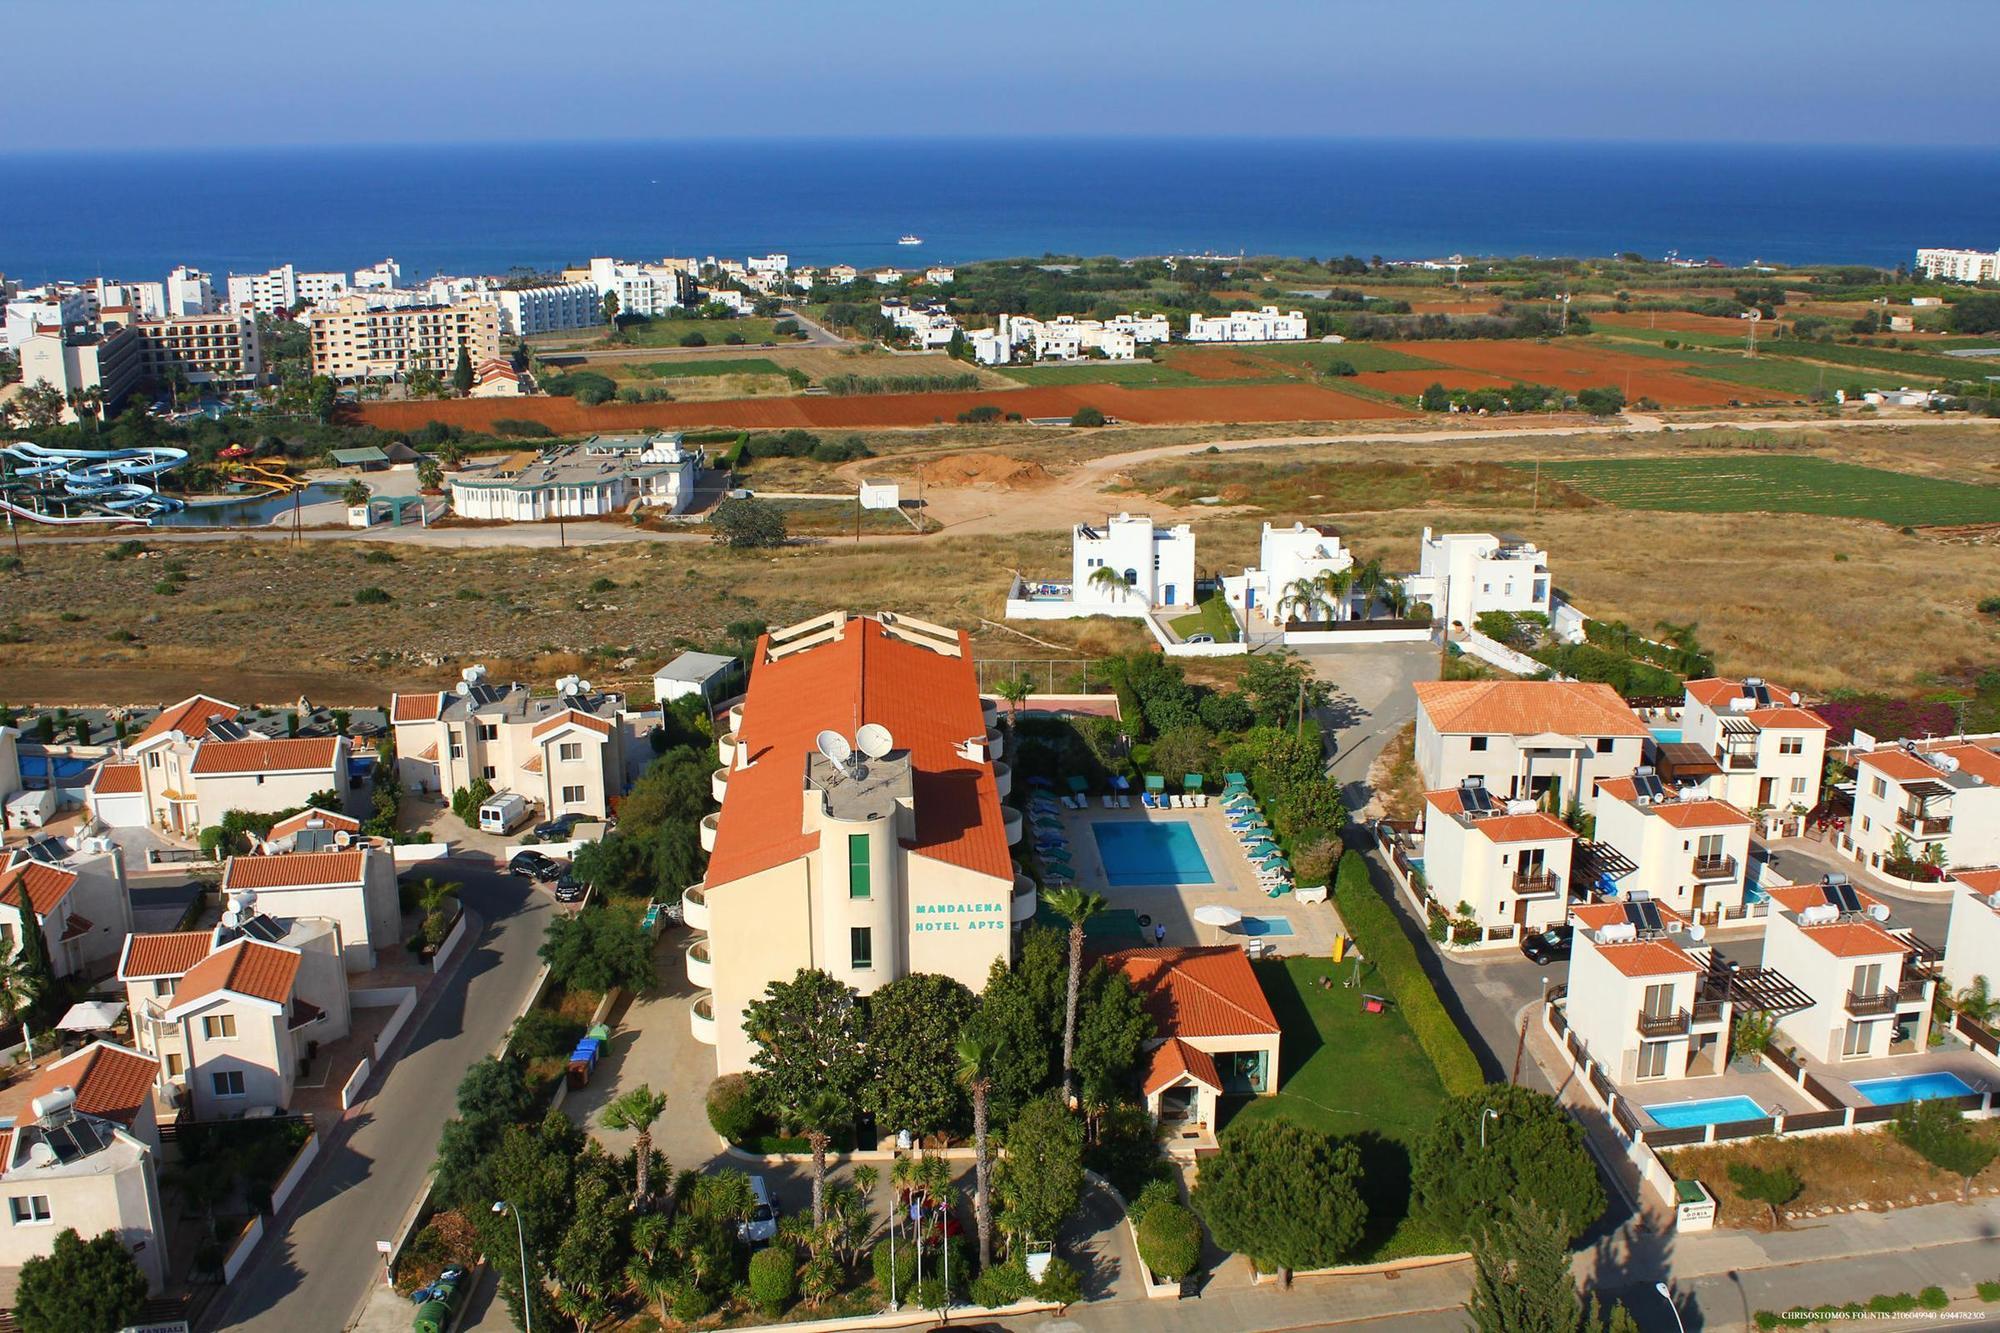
(1885, 1175)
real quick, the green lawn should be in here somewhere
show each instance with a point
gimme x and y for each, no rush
(1211, 617)
(1753, 483)
(1362, 356)
(1352, 1073)
(748, 365)
(1101, 372)
(669, 332)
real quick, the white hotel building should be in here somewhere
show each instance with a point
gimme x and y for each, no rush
(549, 309)
(603, 475)
(652, 290)
(1960, 265)
(283, 288)
(1262, 325)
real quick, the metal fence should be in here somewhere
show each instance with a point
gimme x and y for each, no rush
(1045, 673)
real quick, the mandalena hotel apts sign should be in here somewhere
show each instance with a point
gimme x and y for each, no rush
(960, 916)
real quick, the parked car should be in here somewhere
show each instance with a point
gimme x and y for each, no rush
(557, 829)
(569, 889)
(531, 864)
(761, 1228)
(503, 813)
(1201, 638)
(1550, 946)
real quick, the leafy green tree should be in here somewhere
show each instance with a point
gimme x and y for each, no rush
(774, 1277)
(1601, 402)
(1087, 416)
(748, 522)
(1020, 1015)
(590, 1257)
(610, 307)
(80, 1286)
(1076, 906)
(1285, 1195)
(975, 1071)
(492, 1097)
(1939, 1134)
(1111, 1035)
(1522, 1282)
(534, 1170)
(1278, 684)
(461, 374)
(636, 1110)
(1041, 1175)
(1435, 399)
(1774, 1187)
(913, 1029)
(809, 1039)
(1170, 1241)
(600, 948)
(1532, 1149)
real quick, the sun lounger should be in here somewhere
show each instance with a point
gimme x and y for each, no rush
(1146, 800)
(1201, 800)
(1124, 801)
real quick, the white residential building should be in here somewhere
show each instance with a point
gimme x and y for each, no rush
(1248, 326)
(353, 887)
(56, 310)
(80, 905)
(938, 276)
(1639, 996)
(1539, 739)
(1869, 981)
(283, 288)
(1972, 940)
(652, 290)
(147, 299)
(606, 474)
(1692, 852)
(1287, 557)
(549, 309)
(1150, 566)
(190, 292)
(1944, 795)
(927, 324)
(1506, 861)
(1959, 265)
(385, 276)
(1769, 753)
(1463, 575)
(775, 266)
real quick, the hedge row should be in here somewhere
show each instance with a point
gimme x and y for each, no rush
(1375, 928)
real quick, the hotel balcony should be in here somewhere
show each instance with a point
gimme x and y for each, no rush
(1923, 826)
(1012, 817)
(718, 784)
(701, 1019)
(700, 971)
(1665, 1025)
(1535, 883)
(1025, 900)
(708, 827)
(996, 743)
(1872, 1003)
(726, 746)
(990, 710)
(1715, 867)
(694, 907)
(1003, 779)
(735, 719)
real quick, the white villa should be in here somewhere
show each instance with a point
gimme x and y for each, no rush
(1149, 568)
(1466, 574)
(1526, 738)
(1869, 981)
(1065, 338)
(1638, 996)
(1287, 557)
(927, 323)
(1248, 326)
(1692, 851)
(604, 475)
(1507, 861)
(1769, 753)
(1945, 796)
(1972, 941)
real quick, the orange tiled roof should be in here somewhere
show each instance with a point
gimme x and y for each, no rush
(298, 870)
(47, 885)
(313, 817)
(163, 955)
(1648, 958)
(1527, 708)
(1715, 693)
(568, 717)
(415, 707)
(1536, 827)
(1173, 1058)
(1854, 939)
(1798, 897)
(120, 779)
(111, 1081)
(927, 700)
(245, 967)
(1705, 813)
(77, 927)
(1596, 916)
(1984, 881)
(190, 717)
(532, 764)
(298, 755)
(1198, 992)
(1899, 765)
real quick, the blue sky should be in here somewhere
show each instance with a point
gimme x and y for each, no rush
(216, 73)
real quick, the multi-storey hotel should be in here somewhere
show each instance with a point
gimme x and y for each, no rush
(352, 341)
(203, 349)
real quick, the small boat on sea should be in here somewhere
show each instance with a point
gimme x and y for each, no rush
(909, 240)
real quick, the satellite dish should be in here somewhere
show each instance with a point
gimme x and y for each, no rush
(835, 747)
(874, 740)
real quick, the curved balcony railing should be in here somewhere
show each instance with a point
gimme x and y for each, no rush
(718, 784)
(701, 972)
(990, 709)
(1025, 900)
(694, 907)
(726, 746)
(735, 718)
(701, 1019)
(709, 824)
(1014, 824)
(1003, 779)
(996, 743)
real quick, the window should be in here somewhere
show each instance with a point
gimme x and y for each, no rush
(570, 751)
(153, 759)
(28, 1209)
(572, 796)
(1791, 745)
(489, 772)
(489, 731)
(1878, 788)
(1652, 1059)
(227, 1082)
(162, 988)
(457, 750)
(219, 1027)
(1477, 743)
(1798, 786)
(6, 940)
(174, 1065)
(1605, 744)
(1660, 1000)
(861, 948)
(858, 883)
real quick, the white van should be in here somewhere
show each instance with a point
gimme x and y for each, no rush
(761, 1227)
(503, 812)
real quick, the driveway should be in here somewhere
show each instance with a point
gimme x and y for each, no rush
(1372, 701)
(320, 1262)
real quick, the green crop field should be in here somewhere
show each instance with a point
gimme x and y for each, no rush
(1794, 379)
(748, 365)
(1101, 372)
(1873, 358)
(1362, 356)
(1757, 483)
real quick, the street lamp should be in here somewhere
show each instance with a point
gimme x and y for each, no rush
(1486, 1114)
(527, 1305)
(1667, 1295)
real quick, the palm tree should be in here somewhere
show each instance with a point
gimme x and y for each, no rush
(1398, 597)
(450, 453)
(1109, 579)
(1075, 906)
(20, 987)
(637, 1110)
(975, 1070)
(1302, 596)
(1015, 691)
(1368, 581)
(816, 1116)
(355, 494)
(1335, 584)
(429, 475)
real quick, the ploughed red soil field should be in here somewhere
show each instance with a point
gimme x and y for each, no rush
(1416, 381)
(1567, 365)
(1144, 407)
(1680, 321)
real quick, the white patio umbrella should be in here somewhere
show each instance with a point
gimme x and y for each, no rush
(91, 1016)
(1218, 914)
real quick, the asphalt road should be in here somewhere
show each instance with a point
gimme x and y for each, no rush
(316, 1270)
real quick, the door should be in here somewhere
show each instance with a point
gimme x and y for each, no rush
(1659, 1002)
(1868, 979)
(1767, 791)
(1859, 1039)
(1652, 1059)
(1167, 595)
(1249, 597)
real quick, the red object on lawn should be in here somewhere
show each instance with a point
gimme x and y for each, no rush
(1372, 1004)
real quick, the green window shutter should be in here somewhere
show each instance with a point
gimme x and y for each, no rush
(858, 885)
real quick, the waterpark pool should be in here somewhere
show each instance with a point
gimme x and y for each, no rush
(1912, 1088)
(1265, 925)
(1666, 735)
(1711, 1111)
(1136, 852)
(250, 511)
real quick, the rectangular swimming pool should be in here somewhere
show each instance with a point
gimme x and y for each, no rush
(1144, 852)
(1712, 1111)
(1912, 1088)
(1265, 925)
(1666, 735)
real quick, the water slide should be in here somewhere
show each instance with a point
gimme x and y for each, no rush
(265, 478)
(66, 486)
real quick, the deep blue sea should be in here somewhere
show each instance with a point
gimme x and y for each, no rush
(486, 208)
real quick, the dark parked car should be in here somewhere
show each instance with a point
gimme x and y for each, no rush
(569, 890)
(1550, 946)
(534, 866)
(557, 829)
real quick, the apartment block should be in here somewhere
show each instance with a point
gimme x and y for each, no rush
(108, 360)
(202, 349)
(1946, 265)
(652, 290)
(283, 288)
(549, 309)
(353, 341)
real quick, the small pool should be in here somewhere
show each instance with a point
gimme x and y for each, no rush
(1912, 1088)
(1666, 735)
(1265, 925)
(66, 768)
(1144, 852)
(1712, 1111)
(1416, 863)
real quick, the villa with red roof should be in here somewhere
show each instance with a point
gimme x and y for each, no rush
(871, 866)
(1768, 753)
(1870, 979)
(1943, 796)
(1214, 1034)
(352, 887)
(1509, 862)
(1538, 739)
(1972, 941)
(1639, 997)
(196, 761)
(80, 905)
(1691, 851)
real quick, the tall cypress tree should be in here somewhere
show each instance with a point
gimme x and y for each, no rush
(1521, 1280)
(37, 973)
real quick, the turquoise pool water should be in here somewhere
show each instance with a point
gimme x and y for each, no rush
(1137, 852)
(1912, 1088)
(1666, 735)
(1713, 1111)
(1265, 925)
